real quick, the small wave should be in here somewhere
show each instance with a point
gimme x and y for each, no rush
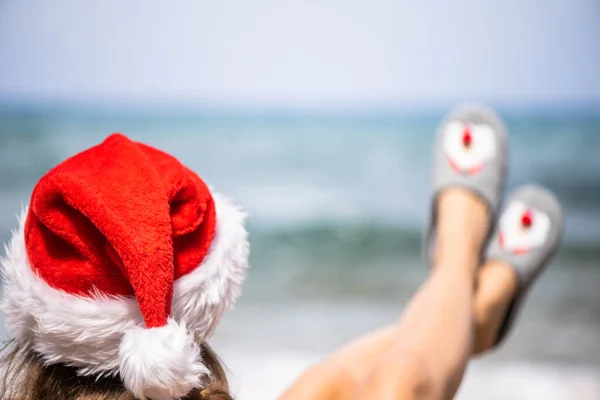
(363, 242)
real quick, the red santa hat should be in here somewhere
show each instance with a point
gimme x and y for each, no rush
(123, 258)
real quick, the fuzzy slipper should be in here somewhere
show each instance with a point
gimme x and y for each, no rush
(529, 232)
(471, 152)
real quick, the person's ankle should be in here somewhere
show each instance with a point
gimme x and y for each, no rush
(463, 224)
(465, 212)
(499, 281)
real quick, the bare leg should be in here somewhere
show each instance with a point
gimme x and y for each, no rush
(434, 338)
(384, 363)
(496, 287)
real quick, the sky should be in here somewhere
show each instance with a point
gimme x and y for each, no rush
(311, 53)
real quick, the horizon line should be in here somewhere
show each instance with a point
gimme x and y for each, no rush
(400, 107)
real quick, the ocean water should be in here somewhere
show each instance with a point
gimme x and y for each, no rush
(337, 204)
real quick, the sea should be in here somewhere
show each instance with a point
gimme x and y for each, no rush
(337, 203)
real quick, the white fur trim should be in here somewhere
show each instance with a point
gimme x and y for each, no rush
(160, 363)
(86, 332)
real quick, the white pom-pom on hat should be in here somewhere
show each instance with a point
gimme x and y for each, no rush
(161, 363)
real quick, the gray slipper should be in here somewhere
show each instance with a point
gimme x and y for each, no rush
(528, 234)
(470, 152)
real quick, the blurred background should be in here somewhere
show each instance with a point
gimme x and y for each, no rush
(318, 117)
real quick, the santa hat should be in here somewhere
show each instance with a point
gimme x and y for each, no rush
(122, 261)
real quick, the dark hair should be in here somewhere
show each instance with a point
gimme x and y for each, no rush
(25, 377)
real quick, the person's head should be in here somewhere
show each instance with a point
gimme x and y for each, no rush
(120, 270)
(26, 377)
